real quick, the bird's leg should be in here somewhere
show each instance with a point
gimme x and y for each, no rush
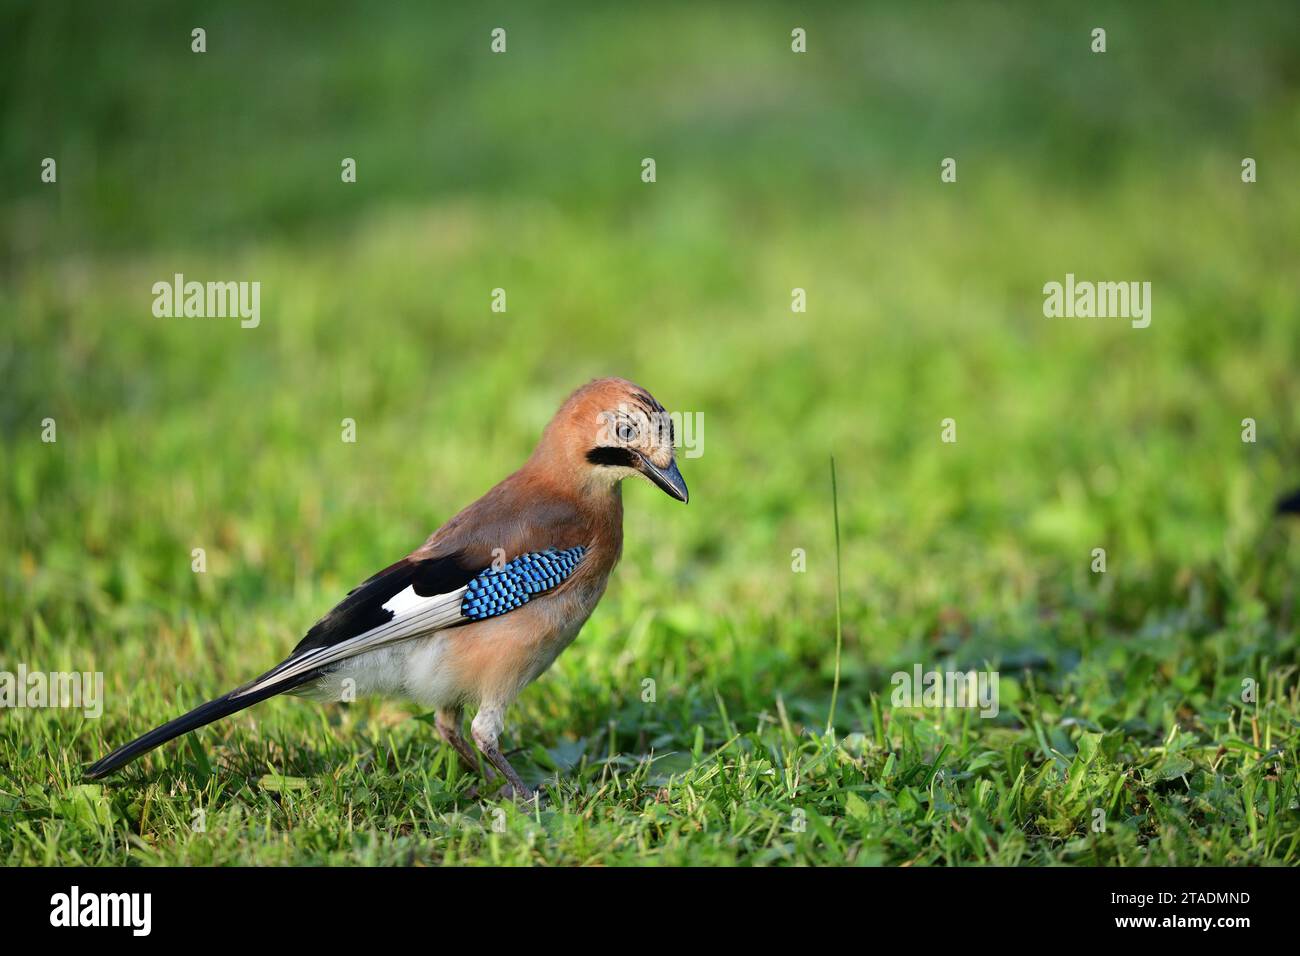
(447, 720)
(486, 729)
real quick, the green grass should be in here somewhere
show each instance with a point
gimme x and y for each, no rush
(1120, 692)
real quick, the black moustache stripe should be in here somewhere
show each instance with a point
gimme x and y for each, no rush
(609, 455)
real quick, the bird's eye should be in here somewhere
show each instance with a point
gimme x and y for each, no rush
(626, 432)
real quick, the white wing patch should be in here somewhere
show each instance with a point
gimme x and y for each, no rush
(405, 601)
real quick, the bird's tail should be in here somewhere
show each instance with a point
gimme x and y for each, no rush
(1289, 504)
(223, 706)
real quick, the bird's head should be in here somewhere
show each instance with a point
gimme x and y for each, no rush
(609, 430)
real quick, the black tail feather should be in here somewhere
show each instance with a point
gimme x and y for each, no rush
(204, 714)
(1290, 504)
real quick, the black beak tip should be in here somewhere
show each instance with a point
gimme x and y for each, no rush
(669, 480)
(677, 489)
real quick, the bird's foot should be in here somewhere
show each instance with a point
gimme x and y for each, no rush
(521, 793)
(525, 794)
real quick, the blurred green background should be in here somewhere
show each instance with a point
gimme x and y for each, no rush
(775, 171)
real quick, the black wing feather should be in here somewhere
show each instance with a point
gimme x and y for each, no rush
(363, 609)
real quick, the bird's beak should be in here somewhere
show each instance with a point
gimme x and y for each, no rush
(669, 479)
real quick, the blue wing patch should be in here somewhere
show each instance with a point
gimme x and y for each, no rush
(495, 592)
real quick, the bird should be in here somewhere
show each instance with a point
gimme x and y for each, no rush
(486, 604)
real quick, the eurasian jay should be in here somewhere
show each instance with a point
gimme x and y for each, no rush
(489, 601)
